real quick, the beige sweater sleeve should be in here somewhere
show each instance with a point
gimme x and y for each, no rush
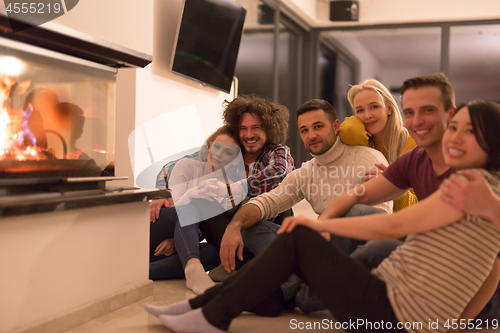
(368, 157)
(281, 198)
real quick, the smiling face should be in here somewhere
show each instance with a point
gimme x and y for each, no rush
(317, 131)
(222, 151)
(425, 116)
(252, 135)
(372, 111)
(460, 147)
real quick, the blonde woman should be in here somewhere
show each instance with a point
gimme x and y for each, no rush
(377, 123)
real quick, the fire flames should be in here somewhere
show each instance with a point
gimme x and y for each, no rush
(17, 142)
(12, 140)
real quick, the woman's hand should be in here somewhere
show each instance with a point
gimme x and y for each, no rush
(212, 187)
(194, 193)
(167, 247)
(374, 172)
(290, 223)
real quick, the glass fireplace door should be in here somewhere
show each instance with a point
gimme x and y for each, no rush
(57, 115)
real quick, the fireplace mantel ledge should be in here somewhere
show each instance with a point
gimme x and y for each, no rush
(59, 201)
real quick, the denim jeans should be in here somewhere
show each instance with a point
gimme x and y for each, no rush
(259, 236)
(374, 252)
(186, 240)
(163, 228)
(171, 267)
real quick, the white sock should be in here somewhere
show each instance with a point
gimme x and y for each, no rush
(196, 279)
(192, 321)
(171, 309)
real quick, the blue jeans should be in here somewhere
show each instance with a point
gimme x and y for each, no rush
(374, 252)
(186, 240)
(171, 267)
(259, 236)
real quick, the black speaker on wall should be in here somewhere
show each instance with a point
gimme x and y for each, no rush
(265, 14)
(344, 10)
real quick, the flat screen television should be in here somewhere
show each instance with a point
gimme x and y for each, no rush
(208, 41)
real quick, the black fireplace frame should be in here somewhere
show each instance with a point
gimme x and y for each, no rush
(68, 41)
(20, 196)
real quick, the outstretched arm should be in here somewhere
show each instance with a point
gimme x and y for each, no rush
(266, 205)
(374, 191)
(428, 214)
(232, 242)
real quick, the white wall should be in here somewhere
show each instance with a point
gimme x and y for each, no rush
(427, 10)
(53, 263)
(369, 67)
(398, 11)
(124, 22)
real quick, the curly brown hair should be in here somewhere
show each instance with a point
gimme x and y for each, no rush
(274, 116)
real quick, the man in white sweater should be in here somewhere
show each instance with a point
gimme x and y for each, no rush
(334, 169)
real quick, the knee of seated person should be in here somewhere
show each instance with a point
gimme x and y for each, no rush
(374, 252)
(262, 227)
(186, 209)
(167, 213)
(359, 210)
(303, 231)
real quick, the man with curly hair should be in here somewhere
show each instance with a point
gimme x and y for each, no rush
(262, 128)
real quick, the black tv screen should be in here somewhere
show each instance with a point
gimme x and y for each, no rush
(208, 41)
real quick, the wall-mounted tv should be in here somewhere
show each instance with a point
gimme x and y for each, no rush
(208, 41)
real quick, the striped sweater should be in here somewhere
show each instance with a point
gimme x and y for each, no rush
(433, 275)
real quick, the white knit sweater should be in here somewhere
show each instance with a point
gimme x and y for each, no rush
(322, 179)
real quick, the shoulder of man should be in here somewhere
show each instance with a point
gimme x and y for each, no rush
(272, 150)
(367, 152)
(411, 156)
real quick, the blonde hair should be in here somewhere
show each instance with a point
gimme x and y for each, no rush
(396, 136)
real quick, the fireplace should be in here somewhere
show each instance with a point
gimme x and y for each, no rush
(57, 117)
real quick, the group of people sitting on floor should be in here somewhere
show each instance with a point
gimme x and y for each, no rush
(434, 262)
